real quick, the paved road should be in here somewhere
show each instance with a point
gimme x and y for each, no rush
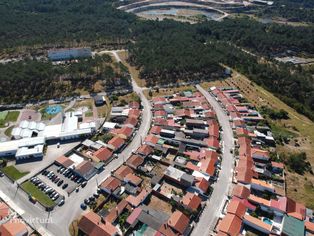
(213, 208)
(61, 217)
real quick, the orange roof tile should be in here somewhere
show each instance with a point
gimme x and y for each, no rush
(257, 222)
(178, 221)
(4, 210)
(237, 208)
(111, 183)
(116, 142)
(191, 200)
(241, 191)
(12, 228)
(134, 161)
(91, 224)
(230, 225)
(103, 154)
(122, 172)
(133, 179)
(136, 200)
(202, 184)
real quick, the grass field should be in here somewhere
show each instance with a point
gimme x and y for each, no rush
(8, 131)
(300, 126)
(40, 196)
(12, 116)
(3, 115)
(13, 173)
(8, 116)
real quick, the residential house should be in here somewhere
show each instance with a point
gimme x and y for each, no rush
(91, 225)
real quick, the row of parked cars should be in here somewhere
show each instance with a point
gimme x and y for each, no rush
(54, 178)
(69, 173)
(89, 201)
(49, 191)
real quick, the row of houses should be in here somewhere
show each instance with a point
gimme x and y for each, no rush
(257, 203)
(90, 157)
(162, 187)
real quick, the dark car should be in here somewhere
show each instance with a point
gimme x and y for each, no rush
(65, 186)
(60, 182)
(84, 184)
(86, 201)
(83, 206)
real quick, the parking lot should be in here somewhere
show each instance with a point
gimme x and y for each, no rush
(65, 182)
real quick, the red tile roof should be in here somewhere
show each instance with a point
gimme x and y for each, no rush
(278, 165)
(295, 209)
(103, 154)
(111, 184)
(191, 201)
(116, 142)
(122, 172)
(237, 208)
(91, 224)
(309, 226)
(132, 178)
(257, 222)
(202, 184)
(134, 215)
(212, 142)
(155, 130)
(131, 121)
(178, 221)
(241, 191)
(134, 112)
(230, 225)
(145, 150)
(114, 213)
(160, 113)
(135, 201)
(151, 139)
(4, 210)
(64, 161)
(135, 161)
(12, 228)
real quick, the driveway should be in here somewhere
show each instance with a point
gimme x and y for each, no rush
(215, 204)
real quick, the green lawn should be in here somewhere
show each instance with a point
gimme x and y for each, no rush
(40, 196)
(3, 115)
(12, 116)
(13, 173)
(6, 117)
(8, 131)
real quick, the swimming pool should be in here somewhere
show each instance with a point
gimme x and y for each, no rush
(52, 110)
(267, 221)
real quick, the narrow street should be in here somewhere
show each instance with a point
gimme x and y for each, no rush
(214, 206)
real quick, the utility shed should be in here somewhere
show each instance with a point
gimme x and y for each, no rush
(292, 226)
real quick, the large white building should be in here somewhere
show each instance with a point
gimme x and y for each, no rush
(22, 149)
(69, 129)
(30, 137)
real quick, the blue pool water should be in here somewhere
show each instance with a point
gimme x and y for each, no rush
(141, 231)
(267, 221)
(51, 110)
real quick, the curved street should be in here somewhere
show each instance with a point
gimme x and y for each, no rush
(215, 204)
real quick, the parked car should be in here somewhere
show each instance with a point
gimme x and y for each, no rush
(65, 186)
(83, 206)
(87, 201)
(61, 202)
(83, 184)
(60, 182)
